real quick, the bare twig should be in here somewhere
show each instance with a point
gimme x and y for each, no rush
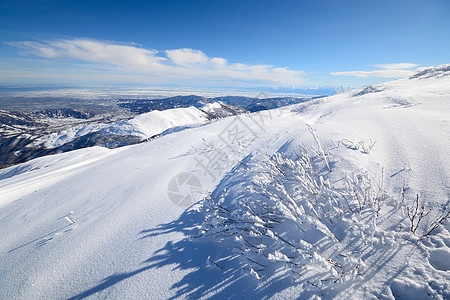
(314, 134)
(416, 214)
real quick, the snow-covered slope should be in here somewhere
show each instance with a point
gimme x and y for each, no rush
(57, 139)
(145, 125)
(155, 122)
(117, 223)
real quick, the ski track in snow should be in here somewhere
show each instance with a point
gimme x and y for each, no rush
(99, 223)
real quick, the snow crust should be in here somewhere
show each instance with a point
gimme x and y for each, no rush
(99, 223)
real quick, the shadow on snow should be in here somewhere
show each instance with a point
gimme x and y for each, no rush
(225, 280)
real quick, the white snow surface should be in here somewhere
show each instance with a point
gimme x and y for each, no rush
(98, 223)
(56, 139)
(145, 125)
(155, 122)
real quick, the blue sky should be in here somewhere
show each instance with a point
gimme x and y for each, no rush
(220, 43)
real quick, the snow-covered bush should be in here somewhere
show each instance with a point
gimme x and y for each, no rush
(288, 216)
(290, 213)
(360, 146)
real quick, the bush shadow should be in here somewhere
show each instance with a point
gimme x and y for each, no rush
(220, 278)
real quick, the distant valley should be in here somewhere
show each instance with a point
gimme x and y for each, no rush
(66, 124)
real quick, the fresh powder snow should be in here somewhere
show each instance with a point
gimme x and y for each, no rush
(335, 198)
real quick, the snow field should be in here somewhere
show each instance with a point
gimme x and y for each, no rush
(99, 223)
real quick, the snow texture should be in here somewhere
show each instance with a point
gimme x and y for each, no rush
(100, 223)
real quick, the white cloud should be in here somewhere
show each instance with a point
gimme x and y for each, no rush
(219, 61)
(399, 66)
(91, 51)
(34, 48)
(399, 70)
(377, 73)
(170, 66)
(186, 57)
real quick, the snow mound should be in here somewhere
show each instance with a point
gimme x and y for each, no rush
(440, 259)
(155, 122)
(409, 289)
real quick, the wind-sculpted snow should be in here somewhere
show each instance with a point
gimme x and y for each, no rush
(335, 198)
(287, 215)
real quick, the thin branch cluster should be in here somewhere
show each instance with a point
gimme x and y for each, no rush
(417, 214)
(289, 204)
(360, 146)
(283, 213)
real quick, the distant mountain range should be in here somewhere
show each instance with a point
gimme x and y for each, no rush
(66, 123)
(27, 135)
